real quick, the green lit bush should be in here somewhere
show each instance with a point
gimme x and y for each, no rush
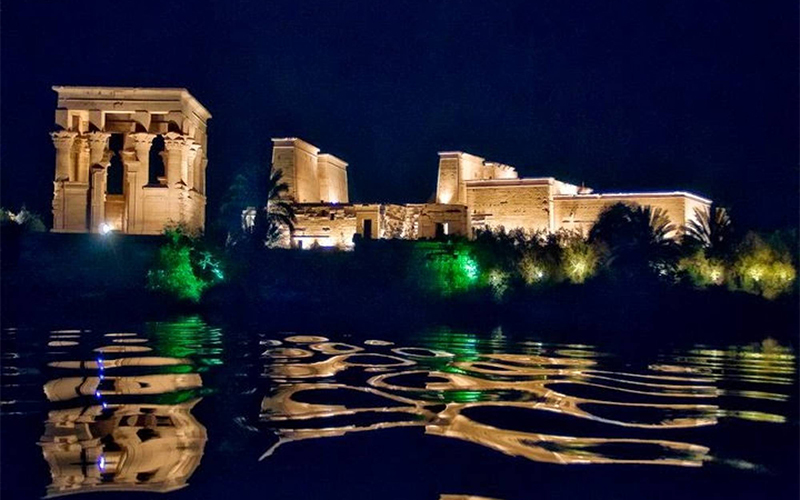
(444, 268)
(183, 268)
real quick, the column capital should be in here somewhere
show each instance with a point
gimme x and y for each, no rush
(98, 139)
(63, 139)
(98, 145)
(142, 139)
(174, 140)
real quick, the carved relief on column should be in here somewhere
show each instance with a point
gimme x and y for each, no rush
(63, 141)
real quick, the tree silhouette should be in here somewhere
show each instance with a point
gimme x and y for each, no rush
(273, 221)
(712, 230)
(635, 239)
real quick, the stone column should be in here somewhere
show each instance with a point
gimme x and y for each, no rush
(137, 174)
(142, 142)
(177, 147)
(191, 164)
(81, 165)
(202, 177)
(63, 141)
(100, 159)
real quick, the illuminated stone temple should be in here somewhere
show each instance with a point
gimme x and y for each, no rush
(326, 217)
(496, 197)
(131, 160)
(471, 194)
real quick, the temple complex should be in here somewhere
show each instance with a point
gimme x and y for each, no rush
(134, 160)
(471, 194)
(155, 139)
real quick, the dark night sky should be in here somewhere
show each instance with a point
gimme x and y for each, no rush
(624, 95)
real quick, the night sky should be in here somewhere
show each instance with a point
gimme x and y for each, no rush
(622, 95)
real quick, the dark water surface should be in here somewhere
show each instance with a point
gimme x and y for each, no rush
(200, 411)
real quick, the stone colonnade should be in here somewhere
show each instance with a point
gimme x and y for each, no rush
(82, 161)
(89, 119)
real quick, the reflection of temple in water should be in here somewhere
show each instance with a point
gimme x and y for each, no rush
(153, 448)
(110, 446)
(439, 392)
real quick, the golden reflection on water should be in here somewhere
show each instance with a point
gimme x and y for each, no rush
(123, 419)
(449, 386)
(133, 432)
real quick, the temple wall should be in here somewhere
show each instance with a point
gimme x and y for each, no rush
(306, 176)
(312, 177)
(447, 189)
(115, 211)
(156, 209)
(335, 225)
(326, 226)
(582, 211)
(455, 168)
(394, 223)
(453, 216)
(332, 179)
(74, 210)
(368, 212)
(511, 205)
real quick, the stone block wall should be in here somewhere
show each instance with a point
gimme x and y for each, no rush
(325, 225)
(511, 204)
(394, 223)
(580, 212)
(332, 179)
(452, 217)
(312, 177)
(115, 211)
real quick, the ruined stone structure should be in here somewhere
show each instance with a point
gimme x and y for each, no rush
(471, 194)
(495, 197)
(90, 119)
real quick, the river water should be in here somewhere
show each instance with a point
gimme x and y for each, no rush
(195, 410)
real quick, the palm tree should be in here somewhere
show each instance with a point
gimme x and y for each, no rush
(246, 190)
(711, 229)
(635, 238)
(270, 222)
(278, 216)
